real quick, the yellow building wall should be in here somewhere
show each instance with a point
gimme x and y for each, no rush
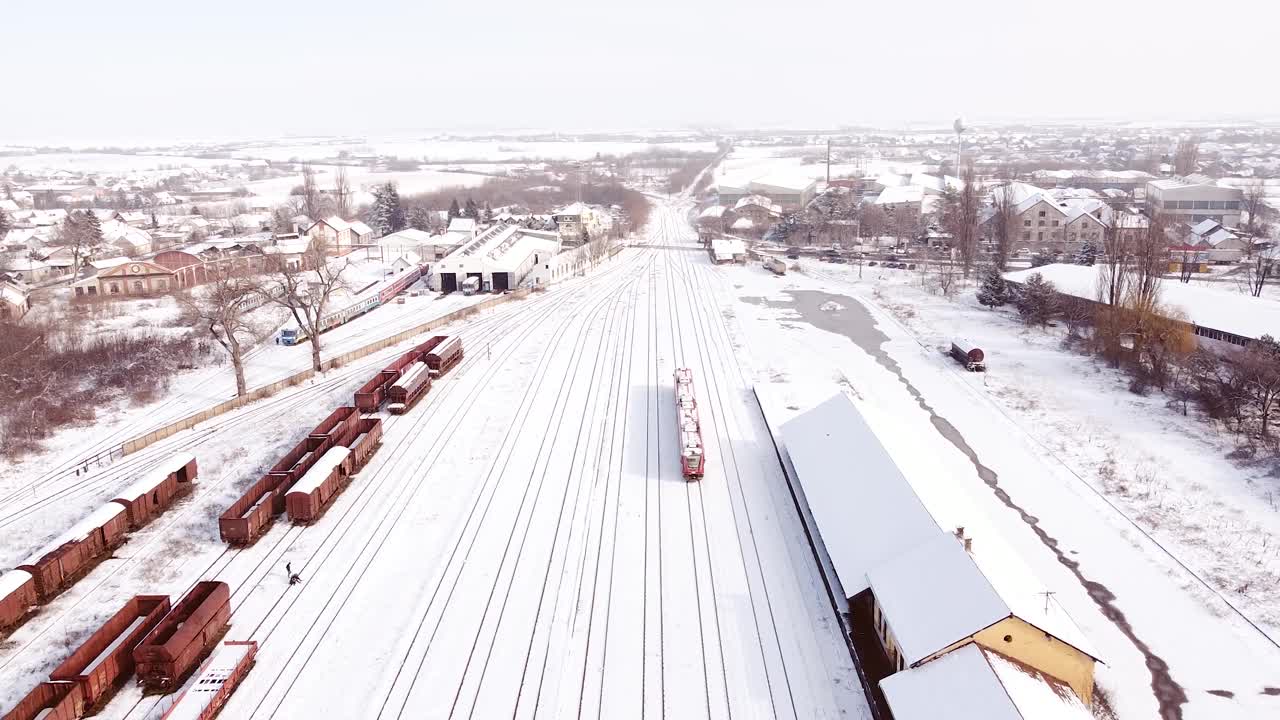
(1032, 646)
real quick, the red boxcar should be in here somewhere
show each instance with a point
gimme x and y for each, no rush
(309, 497)
(370, 395)
(51, 700)
(174, 647)
(154, 492)
(363, 441)
(338, 424)
(412, 385)
(103, 661)
(73, 553)
(249, 517)
(447, 353)
(217, 679)
(17, 596)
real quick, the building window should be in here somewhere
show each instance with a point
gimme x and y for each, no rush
(1231, 205)
(115, 289)
(1040, 236)
(1201, 205)
(1026, 234)
(1040, 224)
(1216, 205)
(1026, 223)
(1055, 223)
(1041, 213)
(1071, 236)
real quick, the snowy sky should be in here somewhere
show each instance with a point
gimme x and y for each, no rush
(143, 70)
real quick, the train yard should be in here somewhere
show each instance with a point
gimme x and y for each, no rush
(522, 541)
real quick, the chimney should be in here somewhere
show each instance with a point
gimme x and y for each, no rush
(964, 539)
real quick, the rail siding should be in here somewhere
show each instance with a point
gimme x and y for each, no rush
(265, 391)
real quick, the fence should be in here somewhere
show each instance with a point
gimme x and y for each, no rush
(258, 393)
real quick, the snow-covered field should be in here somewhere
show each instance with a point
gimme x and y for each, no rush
(438, 150)
(276, 190)
(105, 162)
(523, 544)
(1051, 455)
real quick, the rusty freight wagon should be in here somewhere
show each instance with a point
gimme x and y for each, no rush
(17, 596)
(296, 464)
(102, 663)
(337, 425)
(371, 395)
(308, 498)
(52, 700)
(445, 355)
(363, 441)
(249, 517)
(72, 554)
(155, 491)
(174, 647)
(413, 384)
(214, 683)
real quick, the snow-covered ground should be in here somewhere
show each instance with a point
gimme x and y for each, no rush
(1051, 455)
(363, 181)
(523, 543)
(452, 150)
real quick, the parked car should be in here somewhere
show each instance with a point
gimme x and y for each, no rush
(793, 256)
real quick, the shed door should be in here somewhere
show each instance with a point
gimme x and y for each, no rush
(501, 281)
(448, 282)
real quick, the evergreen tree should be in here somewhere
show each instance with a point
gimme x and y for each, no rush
(1088, 255)
(1038, 301)
(386, 215)
(4, 223)
(454, 210)
(420, 219)
(92, 229)
(472, 211)
(994, 292)
(488, 213)
(155, 224)
(395, 211)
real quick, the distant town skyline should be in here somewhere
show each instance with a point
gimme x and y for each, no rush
(139, 73)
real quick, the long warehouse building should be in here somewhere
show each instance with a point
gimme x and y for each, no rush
(502, 256)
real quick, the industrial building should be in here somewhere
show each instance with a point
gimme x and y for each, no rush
(502, 257)
(1193, 199)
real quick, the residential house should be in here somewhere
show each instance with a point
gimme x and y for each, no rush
(1220, 244)
(338, 236)
(15, 299)
(131, 241)
(711, 222)
(27, 270)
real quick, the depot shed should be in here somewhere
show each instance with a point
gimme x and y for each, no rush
(500, 258)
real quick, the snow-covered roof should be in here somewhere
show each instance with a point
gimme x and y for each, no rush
(208, 681)
(714, 211)
(742, 223)
(972, 683)
(1205, 227)
(759, 200)
(728, 246)
(408, 236)
(576, 208)
(13, 295)
(336, 223)
(900, 194)
(934, 596)
(332, 458)
(79, 531)
(864, 509)
(1224, 310)
(359, 228)
(410, 374)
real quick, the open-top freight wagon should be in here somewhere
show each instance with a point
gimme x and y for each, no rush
(151, 494)
(50, 700)
(176, 645)
(692, 457)
(214, 682)
(105, 660)
(72, 554)
(363, 440)
(17, 596)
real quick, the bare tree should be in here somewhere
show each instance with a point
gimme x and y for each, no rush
(874, 222)
(306, 289)
(1148, 254)
(1003, 225)
(1259, 365)
(312, 201)
(1114, 270)
(1187, 155)
(341, 192)
(1258, 271)
(222, 306)
(1255, 204)
(966, 241)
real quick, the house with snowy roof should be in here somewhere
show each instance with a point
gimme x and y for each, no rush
(1222, 245)
(15, 299)
(337, 236)
(911, 593)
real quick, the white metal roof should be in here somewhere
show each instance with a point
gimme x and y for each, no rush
(934, 596)
(972, 683)
(864, 509)
(208, 681)
(332, 458)
(410, 374)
